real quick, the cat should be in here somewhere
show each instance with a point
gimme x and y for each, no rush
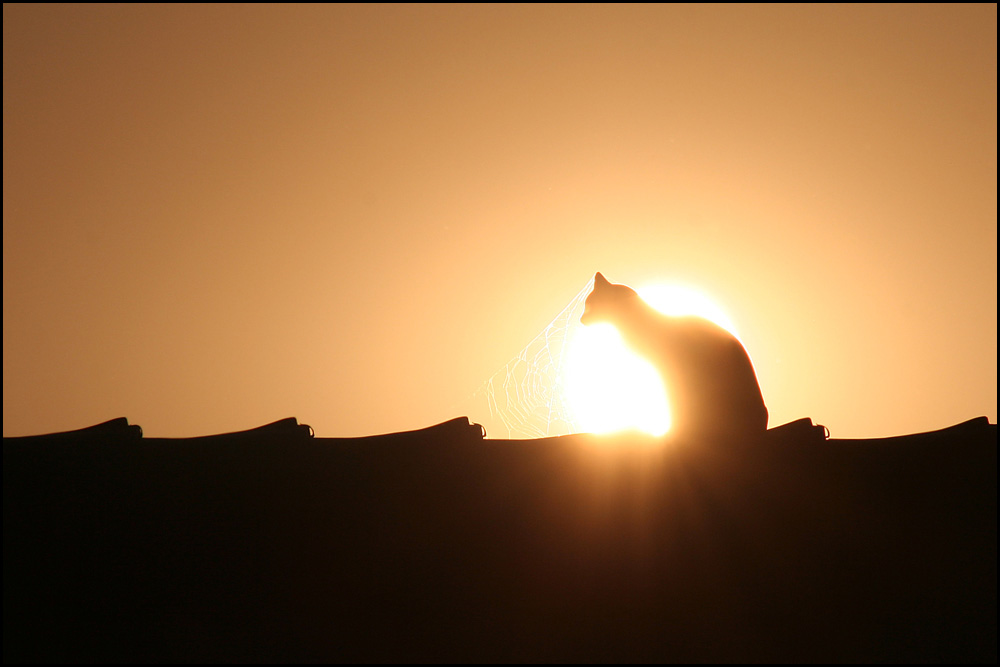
(710, 381)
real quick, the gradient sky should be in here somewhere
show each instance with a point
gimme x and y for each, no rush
(219, 216)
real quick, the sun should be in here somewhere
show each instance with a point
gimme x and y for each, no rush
(608, 387)
(679, 300)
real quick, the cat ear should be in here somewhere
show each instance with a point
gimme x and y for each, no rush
(600, 280)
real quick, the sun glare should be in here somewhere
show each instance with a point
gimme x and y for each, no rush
(677, 300)
(608, 387)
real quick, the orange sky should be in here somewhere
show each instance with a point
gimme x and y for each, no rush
(215, 217)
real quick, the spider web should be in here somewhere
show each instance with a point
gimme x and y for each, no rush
(526, 396)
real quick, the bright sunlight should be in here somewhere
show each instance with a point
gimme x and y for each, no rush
(608, 387)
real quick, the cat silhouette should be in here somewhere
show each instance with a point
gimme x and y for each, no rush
(711, 385)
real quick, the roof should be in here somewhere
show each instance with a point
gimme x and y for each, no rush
(438, 544)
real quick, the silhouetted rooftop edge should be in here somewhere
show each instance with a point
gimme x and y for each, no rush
(464, 429)
(439, 545)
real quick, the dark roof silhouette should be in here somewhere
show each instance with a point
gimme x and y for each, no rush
(439, 545)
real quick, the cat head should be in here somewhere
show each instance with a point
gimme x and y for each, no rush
(607, 301)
